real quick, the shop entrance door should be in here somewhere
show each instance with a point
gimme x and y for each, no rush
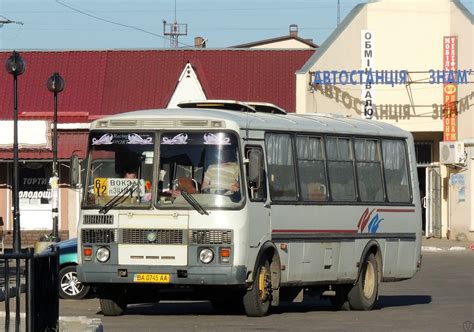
(432, 202)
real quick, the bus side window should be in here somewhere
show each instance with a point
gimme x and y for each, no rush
(255, 173)
(396, 171)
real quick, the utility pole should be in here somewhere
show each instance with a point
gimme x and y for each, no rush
(174, 30)
(338, 12)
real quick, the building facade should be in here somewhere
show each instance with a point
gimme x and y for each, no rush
(101, 83)
(409, 63)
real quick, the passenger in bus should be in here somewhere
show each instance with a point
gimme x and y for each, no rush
(130, 175)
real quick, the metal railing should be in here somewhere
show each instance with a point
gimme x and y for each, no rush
(41, 288)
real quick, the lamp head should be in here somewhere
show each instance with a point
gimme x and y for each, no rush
(15, 64)
(55, 83)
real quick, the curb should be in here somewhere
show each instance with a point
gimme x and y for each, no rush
(80, 323)
(438, 249)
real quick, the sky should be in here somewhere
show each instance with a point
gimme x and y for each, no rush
(132, 24)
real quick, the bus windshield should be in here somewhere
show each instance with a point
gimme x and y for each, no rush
(121, 169)
(203, 164)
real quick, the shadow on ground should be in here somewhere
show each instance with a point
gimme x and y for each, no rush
(310, 305)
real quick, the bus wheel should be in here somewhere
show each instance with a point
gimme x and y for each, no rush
(112, 306)
(257, 300)
(364, 293)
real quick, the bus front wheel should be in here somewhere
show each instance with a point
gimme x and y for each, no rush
(257, 299)
(364, 293)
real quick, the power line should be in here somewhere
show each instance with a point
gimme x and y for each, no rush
(115, 23)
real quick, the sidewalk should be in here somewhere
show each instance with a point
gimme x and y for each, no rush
(66, 323)
(433, 244)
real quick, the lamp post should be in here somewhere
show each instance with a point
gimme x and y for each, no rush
(55, 84)
(15, 66)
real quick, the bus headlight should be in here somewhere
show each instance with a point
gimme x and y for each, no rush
(102, 254)
(206, 255)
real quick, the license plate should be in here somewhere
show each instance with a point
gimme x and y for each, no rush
(152, 277)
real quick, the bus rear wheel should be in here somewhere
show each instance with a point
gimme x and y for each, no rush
(257, 299)
(364, 293)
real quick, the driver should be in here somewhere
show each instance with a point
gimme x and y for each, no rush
(223, 177)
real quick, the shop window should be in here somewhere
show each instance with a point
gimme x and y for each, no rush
(34, 182)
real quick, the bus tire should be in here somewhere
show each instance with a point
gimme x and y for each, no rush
(257, 299)
(363, 294)
(112, 307)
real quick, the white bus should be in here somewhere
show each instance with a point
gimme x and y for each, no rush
(246, 207)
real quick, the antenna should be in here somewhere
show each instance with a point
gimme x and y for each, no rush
(338, 12)
(174, 30)
(4, 20)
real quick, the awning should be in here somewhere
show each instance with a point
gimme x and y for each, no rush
(69, 142)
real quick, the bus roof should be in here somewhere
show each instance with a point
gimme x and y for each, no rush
(193, 118)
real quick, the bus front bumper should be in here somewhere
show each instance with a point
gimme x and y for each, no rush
(184, 275)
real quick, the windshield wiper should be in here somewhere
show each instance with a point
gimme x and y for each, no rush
(193, 202)
(120, 198)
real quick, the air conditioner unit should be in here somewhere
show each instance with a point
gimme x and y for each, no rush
(451, 152)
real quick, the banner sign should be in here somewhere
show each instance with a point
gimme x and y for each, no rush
(450, 89)
(367, 49)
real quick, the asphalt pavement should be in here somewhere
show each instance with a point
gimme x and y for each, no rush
(439, 298)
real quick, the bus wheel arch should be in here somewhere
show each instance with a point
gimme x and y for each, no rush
(372, 247)
(364, 292)
(270, 252)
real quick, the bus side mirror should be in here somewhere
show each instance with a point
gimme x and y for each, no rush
(255, 167)
(74, 171)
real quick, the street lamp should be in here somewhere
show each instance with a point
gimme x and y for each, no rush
(55, 84)
(15, 66)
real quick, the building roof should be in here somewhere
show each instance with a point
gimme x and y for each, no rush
(276, 40)
(69, 143)
(100, 83)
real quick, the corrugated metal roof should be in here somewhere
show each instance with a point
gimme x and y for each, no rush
(109, 82)
(68, 143)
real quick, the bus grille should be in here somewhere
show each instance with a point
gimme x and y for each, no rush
(210, 237)
(98, 219)
(157, 236)
(99, 236)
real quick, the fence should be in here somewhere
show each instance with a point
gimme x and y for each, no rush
(41, 287)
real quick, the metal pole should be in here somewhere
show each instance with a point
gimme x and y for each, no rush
(55, 178)
(16, 205)
(7, 294)
(16, 208)
(30, 292)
